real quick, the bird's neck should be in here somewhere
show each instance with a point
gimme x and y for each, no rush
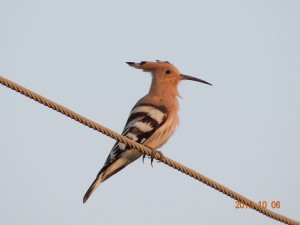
(164, 89)
(163, 94)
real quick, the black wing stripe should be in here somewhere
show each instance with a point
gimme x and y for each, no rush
(141, 118)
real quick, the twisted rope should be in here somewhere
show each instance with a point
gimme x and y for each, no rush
(145, 150)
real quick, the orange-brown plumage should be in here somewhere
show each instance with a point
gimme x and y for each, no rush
(152, 120)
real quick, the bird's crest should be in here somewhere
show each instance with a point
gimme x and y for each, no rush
(151, 66)
(164, 70)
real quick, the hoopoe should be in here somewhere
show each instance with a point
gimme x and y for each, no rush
(152, 120)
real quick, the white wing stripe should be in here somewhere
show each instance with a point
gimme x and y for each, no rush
(157, 115)
(144, 127)
(144, 108)
(122, 146)
(151, 111)
(129, 125)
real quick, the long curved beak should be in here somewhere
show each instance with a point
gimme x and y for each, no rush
(186, 77)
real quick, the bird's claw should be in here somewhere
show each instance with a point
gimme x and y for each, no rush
(144, 156)
(152, 157)
(161, 156)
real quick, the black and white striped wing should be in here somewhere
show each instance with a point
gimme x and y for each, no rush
(143, 121)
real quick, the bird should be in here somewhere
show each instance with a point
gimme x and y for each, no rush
(151, 121)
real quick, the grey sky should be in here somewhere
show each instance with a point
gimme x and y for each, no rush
(243, 132)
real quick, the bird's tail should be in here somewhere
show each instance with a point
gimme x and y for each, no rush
(93, 187)
(103, 175)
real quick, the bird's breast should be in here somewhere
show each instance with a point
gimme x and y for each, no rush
(162, 135)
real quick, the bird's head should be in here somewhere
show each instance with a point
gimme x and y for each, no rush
(164, 71)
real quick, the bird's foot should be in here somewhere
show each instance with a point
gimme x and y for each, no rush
(152, 157)
(144, 156)
(160, 156)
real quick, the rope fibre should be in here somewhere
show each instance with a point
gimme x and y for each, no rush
(145, 150)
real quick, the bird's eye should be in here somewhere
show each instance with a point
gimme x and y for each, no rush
(168, 72)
